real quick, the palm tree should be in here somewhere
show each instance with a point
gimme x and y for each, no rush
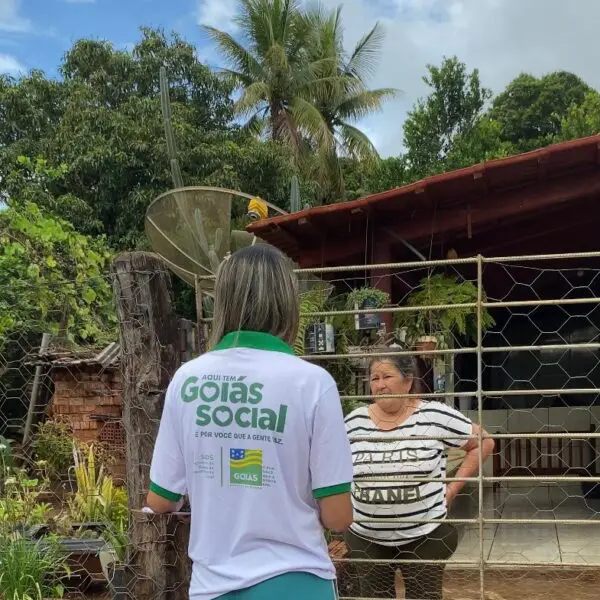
(270, 66)
(298, 85)
(343, 104)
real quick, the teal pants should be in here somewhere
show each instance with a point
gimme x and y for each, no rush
(290, 586)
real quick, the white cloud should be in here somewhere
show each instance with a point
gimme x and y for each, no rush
(217, 13)
(501, 38)
(10, 19)
(9, 64)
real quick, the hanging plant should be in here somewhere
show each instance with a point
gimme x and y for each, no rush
(365, 298)
(367, 295)
(436, 326)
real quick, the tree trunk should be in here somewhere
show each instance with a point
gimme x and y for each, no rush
(150, 355)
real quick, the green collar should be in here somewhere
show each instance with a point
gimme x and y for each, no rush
(253, 339)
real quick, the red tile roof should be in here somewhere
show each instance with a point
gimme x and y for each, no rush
(296, 232)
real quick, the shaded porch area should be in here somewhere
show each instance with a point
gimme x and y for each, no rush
(531, 543)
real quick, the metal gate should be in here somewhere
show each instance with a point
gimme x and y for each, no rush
(528, 520)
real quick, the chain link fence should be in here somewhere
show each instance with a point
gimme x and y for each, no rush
(511, 343)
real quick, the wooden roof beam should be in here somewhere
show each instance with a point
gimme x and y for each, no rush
(493, 208)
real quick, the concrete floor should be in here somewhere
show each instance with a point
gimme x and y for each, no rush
(527, 543)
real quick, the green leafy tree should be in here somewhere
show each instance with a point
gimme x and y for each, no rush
(101, 126)
(343, 97)
(452, 109)
(372, 176)
(482, 142)
(35, 181)
(583, 119)
(30, 108)
(117, 76)
(530, 109)
(48, 271)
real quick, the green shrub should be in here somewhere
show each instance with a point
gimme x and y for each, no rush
(19, 503)
(97, 497)
(53, 444)
(31, 570)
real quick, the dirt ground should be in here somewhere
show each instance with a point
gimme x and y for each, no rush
(523, 584)
(512, 584)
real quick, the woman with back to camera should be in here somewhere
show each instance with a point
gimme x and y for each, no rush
(388, 502)
(255, 437)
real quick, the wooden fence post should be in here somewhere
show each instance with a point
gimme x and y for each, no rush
(202, 329)
(158, 564)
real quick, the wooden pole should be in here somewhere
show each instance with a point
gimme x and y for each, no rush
(35, 389)
(150, 355)
(202, 329)
(382, 279)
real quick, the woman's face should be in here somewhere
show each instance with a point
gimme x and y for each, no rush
(386, 380)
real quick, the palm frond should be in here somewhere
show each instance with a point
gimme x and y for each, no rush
(235, 78)
(252, 96)
(328, 92)
(324, 67)
(364, 103)
(326, 32)
(363, 60)
(289, 13)
(310, 120)
(355, 143)
(258, 123)
(239, 57)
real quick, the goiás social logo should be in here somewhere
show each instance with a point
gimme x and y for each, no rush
(223, 402)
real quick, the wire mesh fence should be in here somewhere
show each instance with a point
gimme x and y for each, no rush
(510, 344)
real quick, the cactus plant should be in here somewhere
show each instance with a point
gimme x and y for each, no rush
(210, 250)
(165, 103)
(294, 194)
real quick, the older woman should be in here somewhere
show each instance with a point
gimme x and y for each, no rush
(396, 453)
(255, 437)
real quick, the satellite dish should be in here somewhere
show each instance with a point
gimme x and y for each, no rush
(190, 228)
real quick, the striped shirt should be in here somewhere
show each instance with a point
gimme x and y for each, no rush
(407, 458)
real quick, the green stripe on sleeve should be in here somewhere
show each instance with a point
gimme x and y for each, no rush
(334, 490)
(166, 494)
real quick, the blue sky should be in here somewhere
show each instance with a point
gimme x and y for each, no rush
(500, 37)
(36, 33)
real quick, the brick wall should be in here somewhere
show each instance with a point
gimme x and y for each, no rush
(91, 399)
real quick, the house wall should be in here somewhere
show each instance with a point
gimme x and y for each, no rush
(80, 393)
(569, 418)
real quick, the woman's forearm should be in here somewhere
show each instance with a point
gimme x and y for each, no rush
(470, 465)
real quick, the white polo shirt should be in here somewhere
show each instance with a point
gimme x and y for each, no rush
(253, 435)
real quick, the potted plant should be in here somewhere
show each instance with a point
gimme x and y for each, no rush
(363, 299)
(97, 505)
(21, 508)
(426, 330)
(113, 560)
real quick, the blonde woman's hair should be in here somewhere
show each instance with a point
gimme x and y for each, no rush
(256, 289)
